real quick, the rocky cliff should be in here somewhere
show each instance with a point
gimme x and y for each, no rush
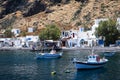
(67, 14)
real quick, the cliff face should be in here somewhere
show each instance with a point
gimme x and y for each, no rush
(65, 13)
(27, 7)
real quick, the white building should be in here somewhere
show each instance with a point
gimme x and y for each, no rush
(83, 38)
(96, 24)
(30, 29)
(89, 37)
(69, 37)
(86, 38)
(31, 40)
(16, 31)
(19, 41)
(118, 20)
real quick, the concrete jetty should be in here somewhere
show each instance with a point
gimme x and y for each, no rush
(99, 49)
(67, 49)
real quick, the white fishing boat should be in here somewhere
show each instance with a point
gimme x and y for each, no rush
(92, 61)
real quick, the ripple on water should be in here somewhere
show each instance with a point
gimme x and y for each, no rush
(21, 65)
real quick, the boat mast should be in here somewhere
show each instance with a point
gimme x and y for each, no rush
(93, 50)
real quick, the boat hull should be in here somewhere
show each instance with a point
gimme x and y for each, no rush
(48, 56)
(85, 65)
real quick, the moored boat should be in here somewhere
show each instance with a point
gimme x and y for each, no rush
(109, 53)
(93, 61)
(48, 55)
(52, 54)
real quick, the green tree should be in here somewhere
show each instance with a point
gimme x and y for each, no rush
(8, 33)
(108, 30)
(51, 32)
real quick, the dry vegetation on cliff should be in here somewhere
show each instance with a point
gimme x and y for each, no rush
(67, 14)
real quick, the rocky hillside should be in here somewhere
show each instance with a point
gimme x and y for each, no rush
(67, 14)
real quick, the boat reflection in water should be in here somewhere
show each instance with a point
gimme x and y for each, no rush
(90, 74)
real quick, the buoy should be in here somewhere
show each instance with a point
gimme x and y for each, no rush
(53, 72)
(67, 71)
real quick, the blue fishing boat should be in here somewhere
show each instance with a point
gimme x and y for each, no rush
(50, 55)
(92, 61)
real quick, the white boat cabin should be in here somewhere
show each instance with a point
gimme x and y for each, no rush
(93, 58)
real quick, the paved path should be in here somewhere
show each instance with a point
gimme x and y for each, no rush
(66, 49)
(13, 48)
(95, 48)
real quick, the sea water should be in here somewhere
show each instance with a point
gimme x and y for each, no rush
(22, 65)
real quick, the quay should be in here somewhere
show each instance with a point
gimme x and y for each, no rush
(13, 48)
(97, 49)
